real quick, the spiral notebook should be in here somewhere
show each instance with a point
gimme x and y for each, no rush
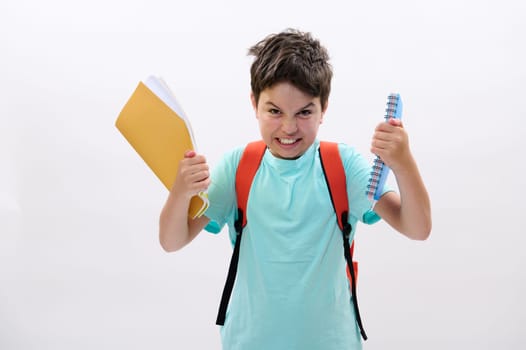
(154, 124)
(380, 171)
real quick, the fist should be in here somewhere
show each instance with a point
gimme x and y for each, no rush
(193, 175)
(390, 143)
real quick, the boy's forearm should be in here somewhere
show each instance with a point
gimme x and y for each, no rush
(415, 208)
(173, 223)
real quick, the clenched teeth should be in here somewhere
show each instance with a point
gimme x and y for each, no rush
(287, 141)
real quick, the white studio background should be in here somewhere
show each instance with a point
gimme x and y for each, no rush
(80, 262)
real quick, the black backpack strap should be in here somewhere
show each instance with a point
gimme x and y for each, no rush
(246, 170)
(336, 182)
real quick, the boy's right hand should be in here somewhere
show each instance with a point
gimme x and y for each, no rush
(193, 175)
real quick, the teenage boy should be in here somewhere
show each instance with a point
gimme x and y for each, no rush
(291, 289)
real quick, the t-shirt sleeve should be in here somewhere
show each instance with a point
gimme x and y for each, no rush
(221, 192)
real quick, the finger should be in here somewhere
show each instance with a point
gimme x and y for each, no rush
(190, 154)
(383, 135)
(200, 186)
(380, 145)
(194, 158)
(395, 122)
(187, 168)
(384, 127)
(204, 184)
(198, 176)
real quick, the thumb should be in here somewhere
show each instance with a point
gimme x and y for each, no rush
(395, 122)
(189, 154)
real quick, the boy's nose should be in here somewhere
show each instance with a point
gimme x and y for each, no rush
(289, 125)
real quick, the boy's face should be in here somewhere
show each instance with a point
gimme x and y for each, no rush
(288, 119)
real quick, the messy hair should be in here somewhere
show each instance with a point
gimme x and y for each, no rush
(295, 57)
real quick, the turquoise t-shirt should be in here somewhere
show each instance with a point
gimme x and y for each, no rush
(291, 289)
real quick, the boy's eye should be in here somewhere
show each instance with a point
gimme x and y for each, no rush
(274, 111)
(305, 113)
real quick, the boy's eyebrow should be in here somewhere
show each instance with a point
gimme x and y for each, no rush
(271, 104)
(308, 105)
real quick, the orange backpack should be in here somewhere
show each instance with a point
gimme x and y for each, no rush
(335, 177)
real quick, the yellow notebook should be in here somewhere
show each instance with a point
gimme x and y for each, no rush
(154, 124)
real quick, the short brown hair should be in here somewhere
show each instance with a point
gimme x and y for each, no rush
(292, 56)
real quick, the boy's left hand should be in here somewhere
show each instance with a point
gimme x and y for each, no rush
(409, 212)
(391, 143)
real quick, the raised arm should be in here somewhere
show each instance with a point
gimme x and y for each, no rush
(176, 229)
(410, 212)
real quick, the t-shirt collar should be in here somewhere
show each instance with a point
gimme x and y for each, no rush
(284, 165)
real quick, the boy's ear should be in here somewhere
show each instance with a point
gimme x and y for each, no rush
(325, 107)
(323, 111)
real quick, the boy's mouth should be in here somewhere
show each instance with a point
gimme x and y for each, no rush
(286, 141)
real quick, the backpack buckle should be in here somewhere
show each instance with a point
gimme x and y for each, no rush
(238, 224)
(346, 227)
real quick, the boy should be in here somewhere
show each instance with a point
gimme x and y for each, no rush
(291, 289)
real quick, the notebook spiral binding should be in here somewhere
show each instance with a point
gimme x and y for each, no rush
(380, 170)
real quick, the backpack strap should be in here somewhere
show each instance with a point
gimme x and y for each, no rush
(246, 171)
(336, 182)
